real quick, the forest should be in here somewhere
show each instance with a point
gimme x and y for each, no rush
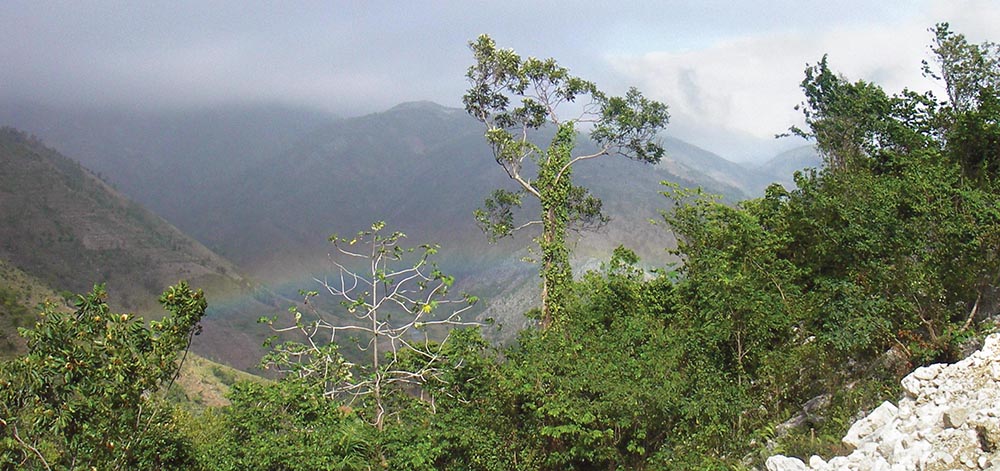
(885, 258)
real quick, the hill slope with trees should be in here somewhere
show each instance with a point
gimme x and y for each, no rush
(69, 229)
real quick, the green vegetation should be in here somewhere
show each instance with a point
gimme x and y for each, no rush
(82, 397)
(885, 259)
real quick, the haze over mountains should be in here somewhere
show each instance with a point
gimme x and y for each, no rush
(264, 186)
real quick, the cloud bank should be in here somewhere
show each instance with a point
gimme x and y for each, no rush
(728, 70)
(742, 91)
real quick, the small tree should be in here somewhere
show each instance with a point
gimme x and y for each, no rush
(82, 397)
(394, 300)
(514, 97)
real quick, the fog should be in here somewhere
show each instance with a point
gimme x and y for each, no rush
(728, 70)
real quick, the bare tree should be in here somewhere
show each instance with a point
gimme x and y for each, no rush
(396, 303)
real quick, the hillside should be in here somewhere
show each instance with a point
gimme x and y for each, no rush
(424, 169)
(20, 294)
(699, 165)
(165, 160)
(70, 230)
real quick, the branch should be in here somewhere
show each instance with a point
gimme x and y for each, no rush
(972, 314)
(527, 224)
(569, 164)
(33, 449)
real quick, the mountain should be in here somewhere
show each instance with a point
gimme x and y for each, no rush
(165, 160)
(423, 168)
(65, 227)
(783, 166)
(735, 181)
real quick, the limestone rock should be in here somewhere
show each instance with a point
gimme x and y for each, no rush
(947, 419)
(865, 427)
(784, 463)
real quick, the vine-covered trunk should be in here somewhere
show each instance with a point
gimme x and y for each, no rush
(554, 188)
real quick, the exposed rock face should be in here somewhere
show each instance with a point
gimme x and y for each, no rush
(948, 419)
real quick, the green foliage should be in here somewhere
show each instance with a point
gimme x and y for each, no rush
(516, 96)
(597, 392)
(288, 425)
(971, 116)
(877, 263)
(83, 395)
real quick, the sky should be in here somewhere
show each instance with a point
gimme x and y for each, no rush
(728, 70)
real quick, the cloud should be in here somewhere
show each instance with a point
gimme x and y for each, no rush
(744, 89)
(751, 85)
(731, 87)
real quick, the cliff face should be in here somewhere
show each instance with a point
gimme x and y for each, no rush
(947, 419)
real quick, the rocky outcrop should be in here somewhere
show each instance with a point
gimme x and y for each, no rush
(948, 419)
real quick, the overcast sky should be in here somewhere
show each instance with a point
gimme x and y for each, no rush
(729, 70)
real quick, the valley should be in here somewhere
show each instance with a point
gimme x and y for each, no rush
(264, 187)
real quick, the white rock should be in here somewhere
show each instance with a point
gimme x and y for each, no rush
(948, 414)
(991, 345)
(880, 464)
(868, 425)
(784, 463)
(838, 462)
(938, 459)
(889, 439)
(995, 371)
(955, 417)
(904, 410)
(911, 386)
(927, 373)
(930, 421)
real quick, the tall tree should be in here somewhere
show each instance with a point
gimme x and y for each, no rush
(514, 97)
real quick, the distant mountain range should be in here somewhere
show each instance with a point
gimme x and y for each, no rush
(784, 165)
(265, 187)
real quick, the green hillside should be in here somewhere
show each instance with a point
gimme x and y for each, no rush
(166, 160)
(265, 187)
(20, 294)
(70, 230)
